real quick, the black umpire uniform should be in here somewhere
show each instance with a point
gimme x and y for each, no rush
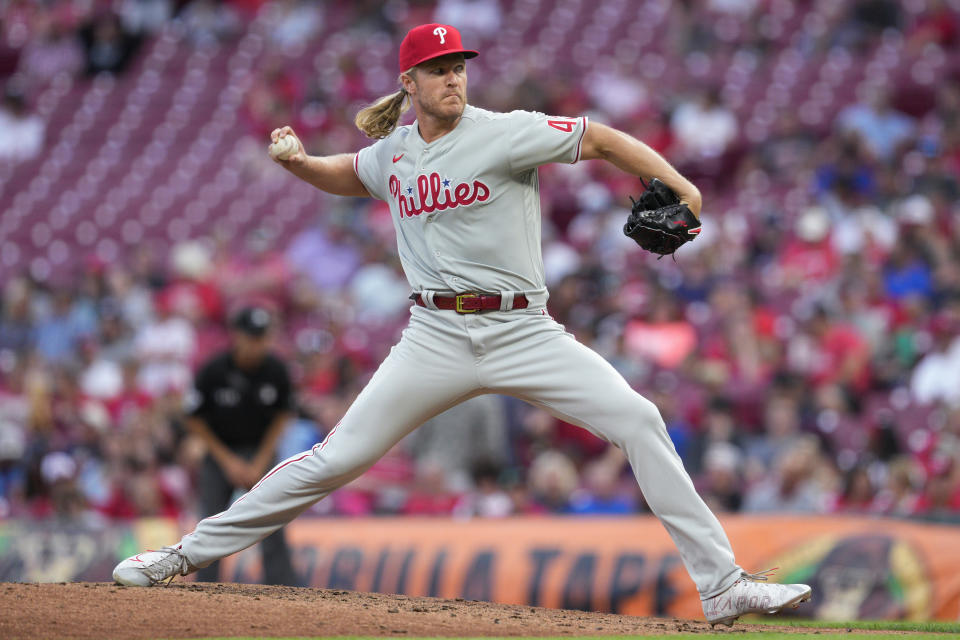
(241, 401)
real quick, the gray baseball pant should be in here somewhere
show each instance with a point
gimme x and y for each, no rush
(444, 358)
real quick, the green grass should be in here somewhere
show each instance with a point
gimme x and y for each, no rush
(873, 625)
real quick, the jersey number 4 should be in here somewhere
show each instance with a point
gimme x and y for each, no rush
(562, 125)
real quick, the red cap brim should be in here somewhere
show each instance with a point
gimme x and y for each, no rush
(467, 54)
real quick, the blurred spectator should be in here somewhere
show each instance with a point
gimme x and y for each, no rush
(876, 14)
(16, 330)
(487, 499)
(601, 493)
(108, 46)
(940, 502)
(718, 427)
(898, 497)
(792, 485)
(53, 49)
(830, 351)
(192, 292)
(616, 92)
(129, 400)
(14, 433)
(809, 256)
(294, 23)
(258, 271)
(58, 333)
(907, 273)
(145, 16)
(482, 17)
(858, 494)
(21, 133)
(430, 494)
(552, 480)
(102, 378)
(722, 484)
(130, 297)
(882, 128)
(327, 256)
(165, 347)
(704, 127)
(936, 377)
(64, 500)
(665, 338)
(781, 432)
(209, 22)
(378, 288)
(136, 490)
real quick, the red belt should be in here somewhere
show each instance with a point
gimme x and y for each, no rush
(471, 302)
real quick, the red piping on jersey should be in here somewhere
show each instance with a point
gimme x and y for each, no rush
(580, 141)
(306, 455)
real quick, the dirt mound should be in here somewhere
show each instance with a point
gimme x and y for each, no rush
(194, 610)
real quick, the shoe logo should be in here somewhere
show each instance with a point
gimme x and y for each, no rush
(397, 158)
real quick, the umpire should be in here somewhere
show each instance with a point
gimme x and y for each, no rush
(239, 406)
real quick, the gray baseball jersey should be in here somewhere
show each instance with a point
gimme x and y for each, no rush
(466, 206)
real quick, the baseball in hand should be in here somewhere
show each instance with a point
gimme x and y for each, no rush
(284, 147)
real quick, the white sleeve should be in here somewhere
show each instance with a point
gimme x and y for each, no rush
(367, 163)
(537, 139)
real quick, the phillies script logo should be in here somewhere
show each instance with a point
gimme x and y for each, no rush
(434, 194)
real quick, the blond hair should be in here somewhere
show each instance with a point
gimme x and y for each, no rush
(379, 119)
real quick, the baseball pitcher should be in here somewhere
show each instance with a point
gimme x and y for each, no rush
(462, 186)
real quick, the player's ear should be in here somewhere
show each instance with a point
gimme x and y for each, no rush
(409, 81)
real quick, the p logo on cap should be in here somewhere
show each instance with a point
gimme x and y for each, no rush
(430, 41)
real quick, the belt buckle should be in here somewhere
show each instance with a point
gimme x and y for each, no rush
(459, 302)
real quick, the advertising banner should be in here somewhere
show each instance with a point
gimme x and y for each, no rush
(859, 568)
(55, 551)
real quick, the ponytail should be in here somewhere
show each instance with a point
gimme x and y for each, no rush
(379, 119)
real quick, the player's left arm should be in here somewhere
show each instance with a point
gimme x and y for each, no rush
(633, 156)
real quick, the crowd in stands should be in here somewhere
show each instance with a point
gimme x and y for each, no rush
(804, 351)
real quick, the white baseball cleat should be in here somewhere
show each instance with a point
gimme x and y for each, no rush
(151, 567)
(752, 594)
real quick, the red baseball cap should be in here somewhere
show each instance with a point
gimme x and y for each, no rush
(430, 41)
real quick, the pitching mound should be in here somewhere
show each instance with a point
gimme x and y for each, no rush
(192, 610)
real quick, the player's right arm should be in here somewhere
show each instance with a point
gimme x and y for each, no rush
(333, 174)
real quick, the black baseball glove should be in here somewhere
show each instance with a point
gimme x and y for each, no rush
(658, 222)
